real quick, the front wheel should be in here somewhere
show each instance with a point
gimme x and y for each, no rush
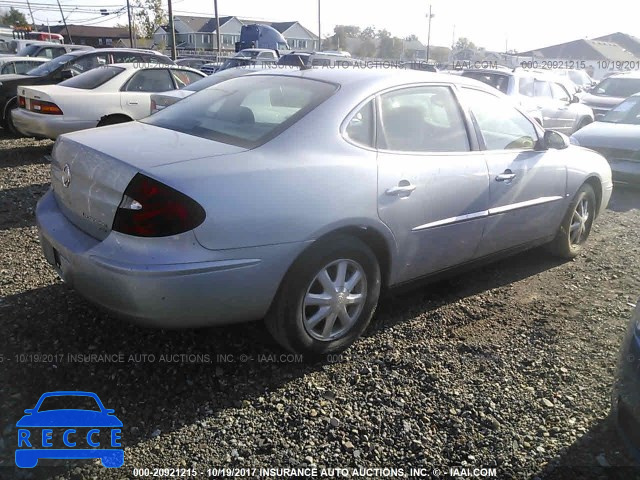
(576, 225)
(327, 298)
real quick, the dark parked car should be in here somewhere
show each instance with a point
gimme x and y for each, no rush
(626, 389)
(617, 137)
(64, 67)
(611, 91)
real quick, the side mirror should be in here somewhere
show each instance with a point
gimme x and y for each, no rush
(29, 411)
(575, 99)
(109, 411)
(66, 74)
(555, 140)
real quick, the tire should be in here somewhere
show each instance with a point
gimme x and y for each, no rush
(289, 318)
(573, 231)
(8, 120)
(113, 120)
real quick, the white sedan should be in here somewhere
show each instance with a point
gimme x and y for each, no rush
(103, 96)
(20, 65)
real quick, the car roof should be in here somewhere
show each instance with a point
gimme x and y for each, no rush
(378, 78)
(631, 74)
(18, 57)
(151, 66)
(79, 53)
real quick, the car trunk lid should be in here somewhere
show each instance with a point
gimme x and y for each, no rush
(90, 171)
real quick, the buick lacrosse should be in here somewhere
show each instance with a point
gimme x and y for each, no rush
(297, 196)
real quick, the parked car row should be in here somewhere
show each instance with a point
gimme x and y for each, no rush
(65, 67)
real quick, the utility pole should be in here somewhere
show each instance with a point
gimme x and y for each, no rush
(131, 42)
(429, 16)
(33, 22)
(215, 6)
(319, 29)
(65, 23)
(172, 29)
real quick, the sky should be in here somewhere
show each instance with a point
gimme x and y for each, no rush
(492, 24)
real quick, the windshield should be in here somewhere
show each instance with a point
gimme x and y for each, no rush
(8, 47)
(496, 80)
(246, 111)
(237, 62)
(617, 87)
(579, 78)
(47, 68)
(626, 112)
(93, 78)
(69, 402)
(29, 50)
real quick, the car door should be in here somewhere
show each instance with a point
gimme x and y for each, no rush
(526, 187)
(135, 96)
(432, 188)
(546, 104)
(567, 115)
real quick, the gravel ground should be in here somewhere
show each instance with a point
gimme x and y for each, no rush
(508, 366)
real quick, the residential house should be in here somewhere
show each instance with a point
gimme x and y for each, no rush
(199, 33)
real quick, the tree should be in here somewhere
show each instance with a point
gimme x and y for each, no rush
(411, 38)
(13, 18)
(367, 48)
(464, 43)
(149, 15)
(369, 32)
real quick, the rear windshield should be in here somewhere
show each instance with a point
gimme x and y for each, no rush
(245, 111)
(293, 60)
(93, 78)
(496, 80)
(617, 87)
(47, 68)
(212, 80)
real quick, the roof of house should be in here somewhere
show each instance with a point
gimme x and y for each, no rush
(628, 42)
(208, 24)
(583, 49)
(89, 31)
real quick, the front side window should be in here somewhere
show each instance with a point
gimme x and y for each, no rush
(245, 111)
(502, 126)
(560, 93)
(157, 80)
(422, 119)
(7, 68)
(360, 128)
(542, 89)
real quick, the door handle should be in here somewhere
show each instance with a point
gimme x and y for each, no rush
(401, 188)
(507, 176)
(132, 102)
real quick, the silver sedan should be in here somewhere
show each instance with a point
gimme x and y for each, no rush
(297, 196)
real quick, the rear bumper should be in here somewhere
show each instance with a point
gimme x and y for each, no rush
(33, 124)
(124, 274)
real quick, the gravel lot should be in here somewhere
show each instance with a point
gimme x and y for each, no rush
(509, 366)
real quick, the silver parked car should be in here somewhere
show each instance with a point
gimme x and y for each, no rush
(297, 196)
(548, 98)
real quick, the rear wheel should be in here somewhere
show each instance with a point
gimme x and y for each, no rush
(327, 298)
(113, 120)
(8, 120)
(576, 225)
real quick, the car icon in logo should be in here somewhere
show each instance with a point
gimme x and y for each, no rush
(53, 430)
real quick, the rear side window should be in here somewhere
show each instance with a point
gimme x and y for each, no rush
(245, 111)
(93, 78)
(157, 80)
(541, 89)
(7, 68)
(360, 129)
(422, 119)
